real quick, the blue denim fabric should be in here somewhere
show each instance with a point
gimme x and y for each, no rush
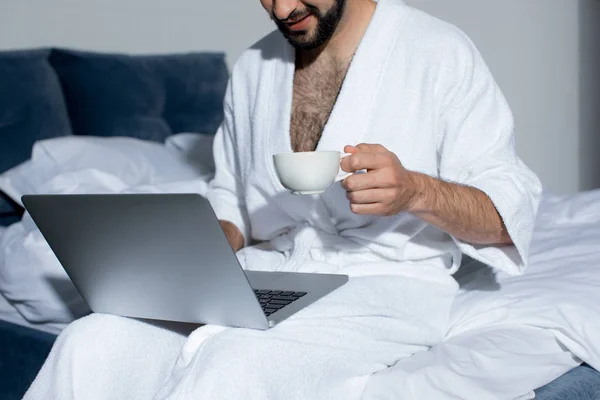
(581, 383)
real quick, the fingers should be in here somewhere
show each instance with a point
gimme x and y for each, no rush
(373, 202)
(369, 209)
(367, 196)
(350, 149)
(371, 180)
(366, 160)
(375, 192)
(370, 148)
(365, 147)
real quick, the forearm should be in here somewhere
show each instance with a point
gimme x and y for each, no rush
(234, 235)
(465, 212)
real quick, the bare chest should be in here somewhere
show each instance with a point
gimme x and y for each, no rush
(315, 93)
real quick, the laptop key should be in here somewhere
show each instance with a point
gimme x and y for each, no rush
(283, 302)
(289, 298)
(261, 291)
(299, 294)
(276, 306)
(270, 310)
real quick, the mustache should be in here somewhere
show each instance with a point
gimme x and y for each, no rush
(296, 15)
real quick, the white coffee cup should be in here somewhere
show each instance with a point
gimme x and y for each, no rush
(310, 172)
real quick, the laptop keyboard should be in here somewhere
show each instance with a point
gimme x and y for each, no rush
(274, 300)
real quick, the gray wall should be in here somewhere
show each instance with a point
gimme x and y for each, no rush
(590, 94)
(137, 26)
(533, 48)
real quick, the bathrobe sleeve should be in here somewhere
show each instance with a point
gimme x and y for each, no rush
(477, 148)
(226, 190)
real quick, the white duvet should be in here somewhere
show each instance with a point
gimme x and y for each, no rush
(507, 336)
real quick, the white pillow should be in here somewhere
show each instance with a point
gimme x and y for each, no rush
(133, 161)
(195, 146)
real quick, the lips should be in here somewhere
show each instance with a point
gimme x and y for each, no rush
(299, 24)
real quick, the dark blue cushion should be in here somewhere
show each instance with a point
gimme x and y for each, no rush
(32, 108)
(23, 353)
(144, 96)
(12, 216)
(10, 211)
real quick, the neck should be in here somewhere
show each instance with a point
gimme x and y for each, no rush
(347, 37)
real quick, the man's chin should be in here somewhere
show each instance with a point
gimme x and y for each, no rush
(301, 40)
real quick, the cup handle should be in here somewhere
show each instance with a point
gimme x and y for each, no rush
(345, 174)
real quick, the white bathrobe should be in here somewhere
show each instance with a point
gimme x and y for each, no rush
(418, 87)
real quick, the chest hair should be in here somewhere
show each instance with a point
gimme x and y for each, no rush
(316, 89)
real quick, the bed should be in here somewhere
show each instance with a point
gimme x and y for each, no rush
(75, 121)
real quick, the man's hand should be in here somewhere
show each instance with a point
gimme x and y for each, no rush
(386, 189)
(234, 236)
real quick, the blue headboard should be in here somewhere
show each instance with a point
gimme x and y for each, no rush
(31, 108)
(47, 93)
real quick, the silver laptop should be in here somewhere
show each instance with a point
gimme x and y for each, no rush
(165, 257)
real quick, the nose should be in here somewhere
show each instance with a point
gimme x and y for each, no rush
(283, 8)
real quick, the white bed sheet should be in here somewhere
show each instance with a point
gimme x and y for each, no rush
(510, 335)
(9, 313)
(559, 291)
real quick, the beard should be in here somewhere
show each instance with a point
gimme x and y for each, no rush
(326, 25)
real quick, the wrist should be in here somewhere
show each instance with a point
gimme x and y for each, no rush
(418, 201)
